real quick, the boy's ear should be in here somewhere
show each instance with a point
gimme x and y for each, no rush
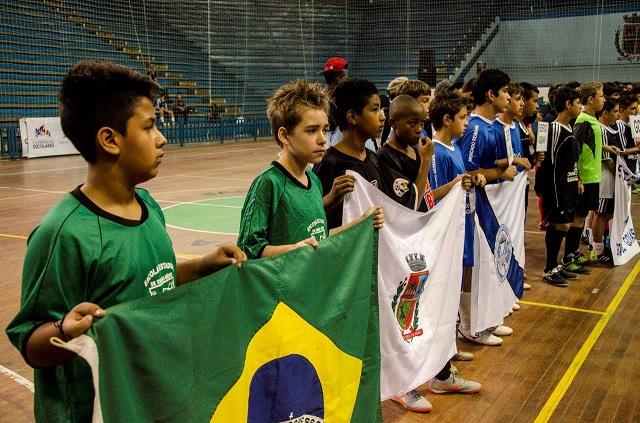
(392, 122)
(490, 97)
(352, 117)
(283, 136)
(446, 120)
(108, 140)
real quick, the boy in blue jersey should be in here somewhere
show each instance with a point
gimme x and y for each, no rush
(102, 244)
(479, 150)
(507, 132)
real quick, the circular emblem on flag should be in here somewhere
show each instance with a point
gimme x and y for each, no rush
(400, 187)
(502, 252)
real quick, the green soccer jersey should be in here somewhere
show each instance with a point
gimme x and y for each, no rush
(279, 210)
(588, 134)
(80, 253)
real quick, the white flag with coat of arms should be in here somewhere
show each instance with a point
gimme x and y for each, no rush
(419, 283)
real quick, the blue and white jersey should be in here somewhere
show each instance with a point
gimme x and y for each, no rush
(446, 164)
(478, 144)
(502, 150)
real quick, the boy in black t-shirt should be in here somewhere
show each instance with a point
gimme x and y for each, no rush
(358, 114)
(559, 185)
(404, 171)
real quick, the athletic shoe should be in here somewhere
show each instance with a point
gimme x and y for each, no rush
(462, 356)
(453, 368)
(483, 338)
(593, 256)
(515, 307)
(414, 401)
(526, 286)
(553, 277)
(454, 384)
(583, 260)
(575, 268)
(606, 258)
(566, 274)
(502, 330)
(636, 190)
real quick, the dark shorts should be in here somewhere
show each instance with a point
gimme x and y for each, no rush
(560, 215)
(605, 206)
(588, 200)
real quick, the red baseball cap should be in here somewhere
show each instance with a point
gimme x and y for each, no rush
(335, 64)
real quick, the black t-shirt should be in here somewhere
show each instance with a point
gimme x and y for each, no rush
(334, 164)
(398, 175)
(560, 168)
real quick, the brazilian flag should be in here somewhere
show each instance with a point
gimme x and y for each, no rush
(291, 338)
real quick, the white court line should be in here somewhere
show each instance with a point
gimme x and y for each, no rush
(17, 378)
(35, 190)
(43, 170)
(193, 203)
(196, 202)
(201, 230)
(535, 232)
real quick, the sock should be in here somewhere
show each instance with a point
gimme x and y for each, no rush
(553, 241)
(572, 244)
(162, 119)
(445, 372)
(599, 247)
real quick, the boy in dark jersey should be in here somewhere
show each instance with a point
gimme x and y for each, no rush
(607, 118)
(421, 92)
(404, 171)
(102, 244)
(631, 151)
(559, 185)
(283, 209)
(358, 114)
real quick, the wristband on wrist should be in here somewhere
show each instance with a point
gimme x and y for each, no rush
(58, 324)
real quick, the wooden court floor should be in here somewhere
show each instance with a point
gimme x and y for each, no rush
(574, 355)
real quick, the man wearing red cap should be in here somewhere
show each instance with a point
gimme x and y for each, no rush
(334, 71)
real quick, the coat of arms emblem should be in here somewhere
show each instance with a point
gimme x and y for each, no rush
(406, 301)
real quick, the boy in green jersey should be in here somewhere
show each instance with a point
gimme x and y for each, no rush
(102, 244)
(283, 209)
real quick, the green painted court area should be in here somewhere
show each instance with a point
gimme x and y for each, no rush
(218, 215)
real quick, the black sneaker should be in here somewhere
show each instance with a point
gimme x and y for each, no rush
(606, 258)
(566, 274)
(553, 277)
(571, 266)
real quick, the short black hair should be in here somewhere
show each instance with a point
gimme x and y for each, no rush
(351, 94)
(445, 103)
(528, 89)
(573, 84)
(610, 88)
(609, 104)
(96, 95)
(626, 100)
(560, 97)
(488, 80)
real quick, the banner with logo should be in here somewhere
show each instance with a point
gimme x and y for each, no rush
(290, 338)
(624, 245)
(42, 137)
(498, 272)
(419, 283)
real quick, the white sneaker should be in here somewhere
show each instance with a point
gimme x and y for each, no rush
(463, 356)
(515, 307)
(502, 330)
(454, 384)
(526, 286)
(483, 338)
(414, 401)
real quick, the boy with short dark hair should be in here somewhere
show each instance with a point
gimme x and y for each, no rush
(608, 117)
(359, 116)
(558, 184)
(102, 244)
(479, 153)
(628, 107)
(507, 131)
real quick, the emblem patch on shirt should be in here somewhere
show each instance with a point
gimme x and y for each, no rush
(400, 187)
